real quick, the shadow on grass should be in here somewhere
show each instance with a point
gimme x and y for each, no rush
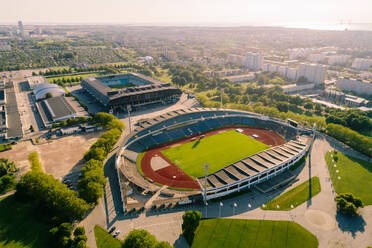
(351, 224)
(19, 227)
(195, 144)
(366, 165)
(180, 242)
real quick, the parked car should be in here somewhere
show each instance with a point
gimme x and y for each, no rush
(66, 181)
(116, 233)
(112, 229)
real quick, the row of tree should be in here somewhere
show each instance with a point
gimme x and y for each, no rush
(7, 177)
(354, 119)
(91, 185)
(54, 200)
(352, 138)
(61, 236)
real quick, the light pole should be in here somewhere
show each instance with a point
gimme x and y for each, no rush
(206, 210)
(234, 206)
(206, 166)
(129, 108)
(338, 180)
(221, 205)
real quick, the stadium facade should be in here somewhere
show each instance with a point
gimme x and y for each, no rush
(118, 91)
(240, 175)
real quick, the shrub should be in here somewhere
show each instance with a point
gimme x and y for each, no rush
(191, 221)
(139, 239)
(348, 203)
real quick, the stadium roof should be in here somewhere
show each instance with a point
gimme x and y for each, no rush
(42, 89)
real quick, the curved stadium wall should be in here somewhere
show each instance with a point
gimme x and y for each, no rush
(180, 124)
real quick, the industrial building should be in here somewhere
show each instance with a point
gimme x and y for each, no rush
(54, 109)
(118, 91)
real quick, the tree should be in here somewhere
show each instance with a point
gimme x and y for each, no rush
(282, 106)
(7, 167)
(61, 235)
(348, 203)
(80, 230)
(32, 129)
(81, 244)
(163, 244)
(308, 106)
(139, 239)
(191, 221)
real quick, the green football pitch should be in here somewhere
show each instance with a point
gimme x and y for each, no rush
(252, 234)
(219, 151)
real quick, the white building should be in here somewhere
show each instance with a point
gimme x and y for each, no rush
(291, 73)
(338, 59)
(292, 88)
(254, 61)
(358, 86)
(361, 64)
(316, 58)
(314, 73)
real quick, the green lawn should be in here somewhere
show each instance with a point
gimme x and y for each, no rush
(104, 239)
(218, 151)
(139, 159)
(295, 196)
(18, 227)
(83, 75)
(356, 176)
(252, 234)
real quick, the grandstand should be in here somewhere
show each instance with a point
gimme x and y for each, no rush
(176, 126)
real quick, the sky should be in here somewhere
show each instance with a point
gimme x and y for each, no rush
(186, 12)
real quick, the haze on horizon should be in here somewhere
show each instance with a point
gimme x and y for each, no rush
(247, 12)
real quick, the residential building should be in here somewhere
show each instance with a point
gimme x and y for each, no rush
(361, 64)
(314, 73)
(338, 59)
(253, 61)
(293, 88)
(360, 87)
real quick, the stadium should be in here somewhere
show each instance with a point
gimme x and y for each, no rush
(118, 91)
(242, 150)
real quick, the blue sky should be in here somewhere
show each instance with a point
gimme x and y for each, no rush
(254, 12)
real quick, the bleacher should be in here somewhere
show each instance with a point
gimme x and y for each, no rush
(136, 147)
(212, 123)
(202, 127)
(161, 138)
(176, 134)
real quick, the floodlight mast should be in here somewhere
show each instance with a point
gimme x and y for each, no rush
(206, 166)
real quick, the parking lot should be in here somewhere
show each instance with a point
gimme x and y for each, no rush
(59, 157)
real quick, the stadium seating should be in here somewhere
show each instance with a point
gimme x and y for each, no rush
(176, 134)
(161, 138)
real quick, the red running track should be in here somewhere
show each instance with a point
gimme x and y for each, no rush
(173, 176)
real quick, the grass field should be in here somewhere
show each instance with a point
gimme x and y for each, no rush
(356, 176)
(104, 239)
(218, 151)
(83, 75)
(295, 196)
(18, 227)
(252, 234)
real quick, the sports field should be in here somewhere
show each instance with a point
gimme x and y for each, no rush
(219, 151)
(252, 234)
(355, 175)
